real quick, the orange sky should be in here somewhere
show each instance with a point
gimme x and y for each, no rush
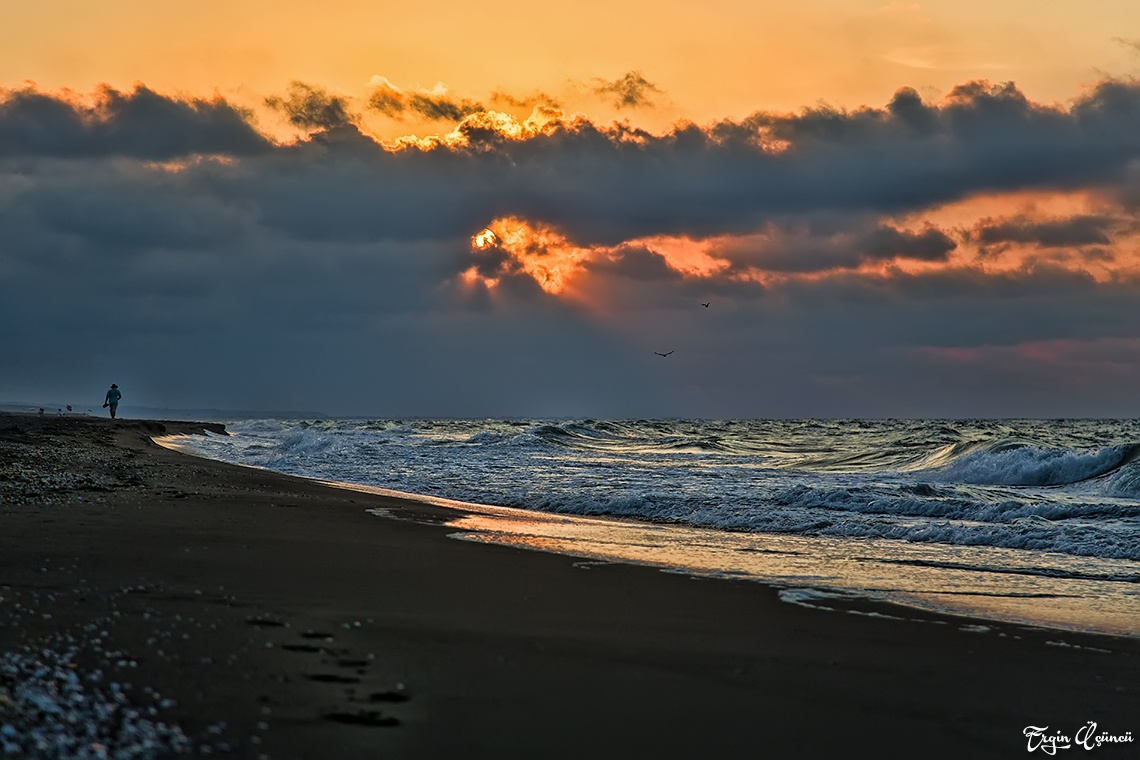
(718, 59)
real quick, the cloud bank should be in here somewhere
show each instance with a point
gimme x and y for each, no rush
(972, 256)
(140, 124)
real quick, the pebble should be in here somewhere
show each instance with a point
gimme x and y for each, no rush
(48, 711)
(50, 707)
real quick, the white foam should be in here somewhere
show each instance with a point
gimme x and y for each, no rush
(1027, 465)
(1070, 489)
(812, 598)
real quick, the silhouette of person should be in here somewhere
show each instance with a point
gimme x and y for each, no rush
(112, 399)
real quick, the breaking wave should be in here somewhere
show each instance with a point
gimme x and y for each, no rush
(1070, 487)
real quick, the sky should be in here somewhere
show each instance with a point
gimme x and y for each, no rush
(836, 209)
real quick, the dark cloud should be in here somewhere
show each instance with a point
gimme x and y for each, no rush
(614, 184)
(841, 243)
(907, 108)
(981, 138)
(606, 185)
(140, 124)
(512, 101)
(493, 261)
(113, 216)
(391, 101)
(388, 101)
(327, 273)
(441, 108)
(631, 91)
(310, 107)
(635, 263)
(886, 242)
(1080, 230)
(344, 188)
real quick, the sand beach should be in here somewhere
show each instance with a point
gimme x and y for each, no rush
(277, 617)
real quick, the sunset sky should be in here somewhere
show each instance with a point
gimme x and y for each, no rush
(925, 209)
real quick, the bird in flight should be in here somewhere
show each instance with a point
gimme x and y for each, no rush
(661, 354)
(706, 305)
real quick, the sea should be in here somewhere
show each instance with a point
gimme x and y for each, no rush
(1033, 522)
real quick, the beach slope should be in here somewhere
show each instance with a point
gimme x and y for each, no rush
(270, 616)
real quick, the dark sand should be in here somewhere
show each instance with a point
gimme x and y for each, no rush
(316, 630)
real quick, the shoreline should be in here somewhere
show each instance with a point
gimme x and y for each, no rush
(313, 628)
(986, 584)
(779, 562)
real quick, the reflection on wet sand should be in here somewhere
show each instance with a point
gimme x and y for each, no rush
(1003, 584)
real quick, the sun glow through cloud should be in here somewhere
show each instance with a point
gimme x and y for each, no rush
(559, 267)
(540, 252)
(992, 235)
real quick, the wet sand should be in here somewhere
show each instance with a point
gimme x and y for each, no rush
(284, 620)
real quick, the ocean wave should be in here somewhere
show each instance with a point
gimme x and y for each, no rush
(490, 438)
(1027, 535)
(306, 442)
(632, 437)
(943, 502)
(1071, 487)
(1016, 529)
(1017, 463)
(1124, 482)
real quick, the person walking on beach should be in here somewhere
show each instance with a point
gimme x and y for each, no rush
(112, 399)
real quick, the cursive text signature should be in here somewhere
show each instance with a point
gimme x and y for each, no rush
(1086, 737)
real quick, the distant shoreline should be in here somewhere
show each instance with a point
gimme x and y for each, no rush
(130, 411)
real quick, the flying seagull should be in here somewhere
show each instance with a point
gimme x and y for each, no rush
(661, 354)
(706, 305)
